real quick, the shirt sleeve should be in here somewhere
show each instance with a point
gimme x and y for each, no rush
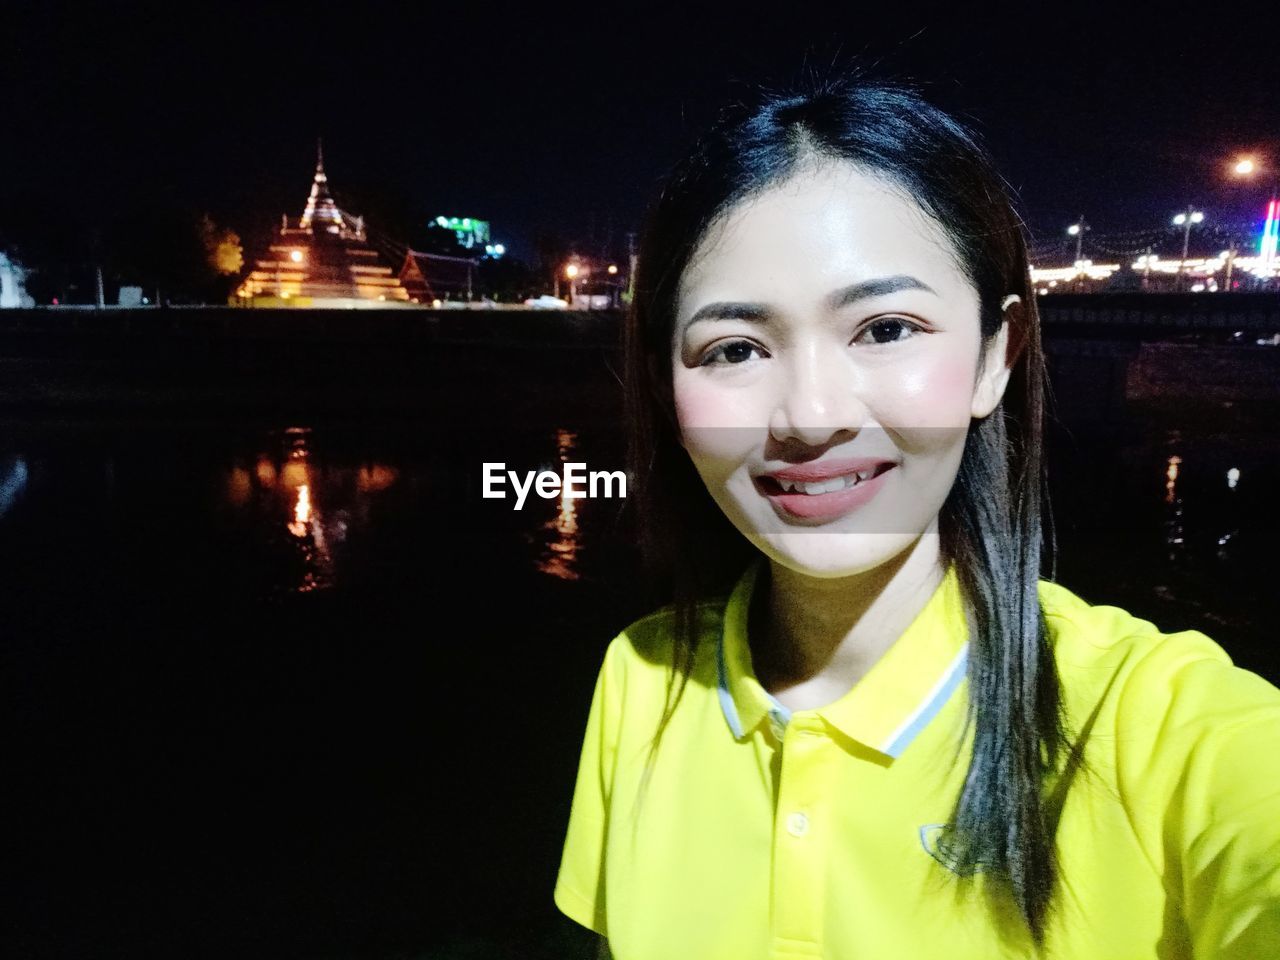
(580, 884)
(1228, 816)
(1216, 759)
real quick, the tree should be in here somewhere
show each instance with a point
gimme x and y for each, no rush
(224, 253)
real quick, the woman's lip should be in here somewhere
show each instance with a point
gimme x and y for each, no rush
(823, 506)
(819, 471)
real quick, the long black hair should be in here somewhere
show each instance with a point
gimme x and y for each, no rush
(990, 526)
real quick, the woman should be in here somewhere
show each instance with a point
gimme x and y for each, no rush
(891, 738)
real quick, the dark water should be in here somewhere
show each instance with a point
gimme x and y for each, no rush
(295, 689)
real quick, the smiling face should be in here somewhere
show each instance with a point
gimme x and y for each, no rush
(826, 366)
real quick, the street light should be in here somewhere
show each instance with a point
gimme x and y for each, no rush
(1078, 230)
(615, 292)
(572, 271)
(1185, 220)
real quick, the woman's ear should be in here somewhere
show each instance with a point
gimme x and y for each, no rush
(999, 356)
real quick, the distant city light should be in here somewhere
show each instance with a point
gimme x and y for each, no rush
(571, 271)
(1073, 229)
(1270, 233)
(613, 268)
(1081, 269)
(295, 256)
(499, 249)
(1245, 166)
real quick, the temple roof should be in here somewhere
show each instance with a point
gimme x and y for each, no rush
(429, 276)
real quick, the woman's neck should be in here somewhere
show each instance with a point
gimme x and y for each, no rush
(812, 639)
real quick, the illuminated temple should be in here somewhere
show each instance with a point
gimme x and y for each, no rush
(322, 259)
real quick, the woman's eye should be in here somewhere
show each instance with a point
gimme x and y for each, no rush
(887, 330)
(732, 351)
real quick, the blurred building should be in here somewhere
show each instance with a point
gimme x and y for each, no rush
(323, 259)
(13, 291)
(471, 233)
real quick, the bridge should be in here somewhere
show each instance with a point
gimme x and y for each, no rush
(1159, 314)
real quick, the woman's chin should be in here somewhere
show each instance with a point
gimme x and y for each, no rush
(833, 555)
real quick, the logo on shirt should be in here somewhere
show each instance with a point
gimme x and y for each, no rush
(933, 838)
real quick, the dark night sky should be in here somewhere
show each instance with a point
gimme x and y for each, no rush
(564, 120)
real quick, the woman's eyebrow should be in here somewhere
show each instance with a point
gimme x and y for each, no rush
(876, 287)
(762, 312)
(726, 310)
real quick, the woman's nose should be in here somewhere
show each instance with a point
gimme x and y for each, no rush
(818, 396)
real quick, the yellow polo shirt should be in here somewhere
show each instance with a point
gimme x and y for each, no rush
(814, 833)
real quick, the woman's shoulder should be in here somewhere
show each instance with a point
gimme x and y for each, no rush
(650, 642)
(1089, 634)
(1127, 671)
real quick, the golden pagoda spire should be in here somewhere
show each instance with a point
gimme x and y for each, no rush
(320, 207)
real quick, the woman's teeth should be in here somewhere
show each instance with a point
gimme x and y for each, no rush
(826, 486)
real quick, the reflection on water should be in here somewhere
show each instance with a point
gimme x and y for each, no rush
(1222, 510)
(13, 479)
(560, 555)
(313, 501)
(376, 477)
(1171, 478)
(1228, 535)
(205, 614)
(301, 512)
(1175, 533)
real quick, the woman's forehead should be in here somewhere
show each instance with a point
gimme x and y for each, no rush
(832, 223)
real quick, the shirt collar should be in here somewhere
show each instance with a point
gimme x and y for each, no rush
(889, 706)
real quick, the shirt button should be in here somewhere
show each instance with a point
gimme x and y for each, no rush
(797, 824)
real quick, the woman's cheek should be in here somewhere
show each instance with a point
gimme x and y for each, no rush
(933, 394)
(702, 404)
(717, 425)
